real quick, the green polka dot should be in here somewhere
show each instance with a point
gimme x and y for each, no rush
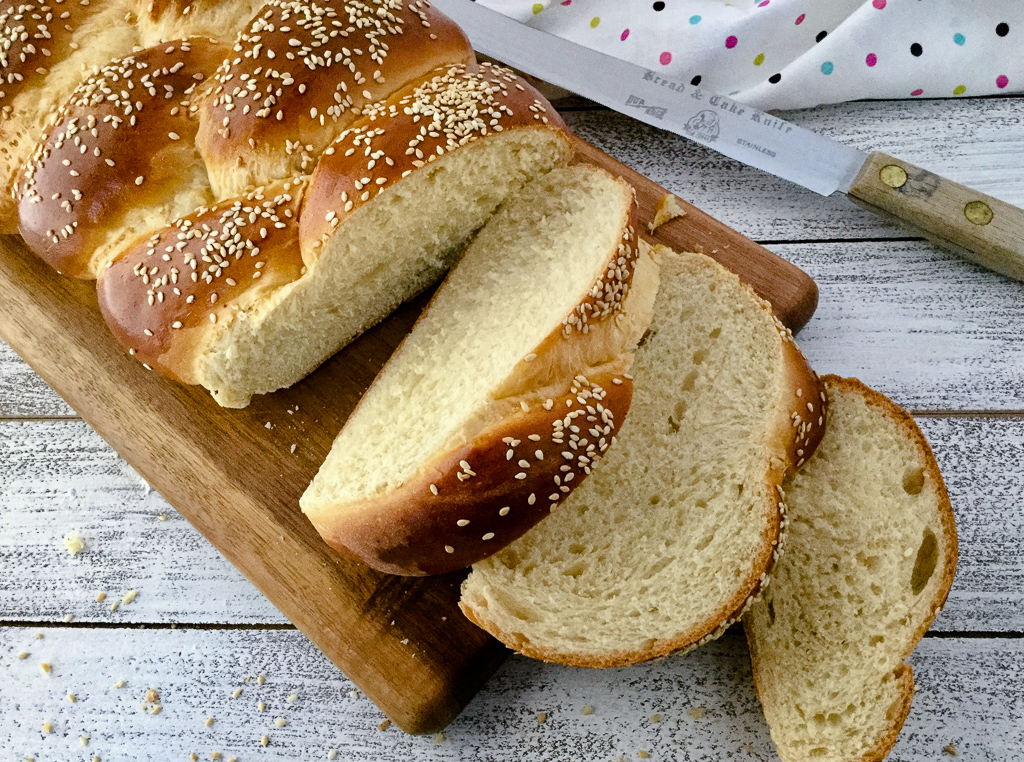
(959, 90)
(759, 60)
(594, 22)
(537, 7)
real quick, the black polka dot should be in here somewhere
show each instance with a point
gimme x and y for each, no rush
(821, 36)
(916, 49)
(695, 81)
(775, 79)
(659, 6)
(1002, 29)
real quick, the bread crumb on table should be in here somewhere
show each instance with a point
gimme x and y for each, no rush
(101, 597)
(46, 667)
(236, 693)
(23, 655)
(384, 725)
(129, 596)
(47, 727)
(542, 718)
(643, 754)
(74, 543)
(72, 698)
(655, 718)
(260, 679)
(950, 749)
(292, 698)
(280, 722)
(193, 756)
(152, 696)
(119, 684)
(666, 209)
(588, 710)
(332, 754)
(696, 712)
(68, 618)
(265, 740)
(209, 722)
(84, 740)
(438, 737)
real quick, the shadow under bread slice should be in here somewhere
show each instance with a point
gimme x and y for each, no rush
(869, 561)
(678, 528)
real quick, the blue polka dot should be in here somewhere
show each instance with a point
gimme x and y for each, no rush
(694, 19)
(959, 39)
(827, 68)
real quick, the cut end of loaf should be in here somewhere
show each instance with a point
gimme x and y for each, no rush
(678, 528)
(869, 562)
(519, 361)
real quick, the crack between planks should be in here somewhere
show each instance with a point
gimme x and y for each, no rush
(86, 625)
(993, 414)
(38, 418)
(26, 624)
(875, 239)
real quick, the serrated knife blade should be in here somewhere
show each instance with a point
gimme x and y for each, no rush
(734, 129)
(979, 227)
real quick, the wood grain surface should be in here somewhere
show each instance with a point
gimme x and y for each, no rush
(936, 333)
(696, 707)
(65, 478)
(234, 477)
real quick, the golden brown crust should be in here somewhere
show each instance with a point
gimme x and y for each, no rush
(117, 145)
(302, 71)
(162, 20)
(411, 129)
(897, 713)
(479, 497)
(34, 36)
(165, 294)
(35, 39)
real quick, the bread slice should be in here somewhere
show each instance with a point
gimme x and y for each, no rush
(678, 528)
(869, 562)
(505, 393)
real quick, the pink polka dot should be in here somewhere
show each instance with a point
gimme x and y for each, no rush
(879, 4)
(625, 34)
(1002, 81)
(730, 41)
(871, 60)
(800, 19)
(762, 5)
(917, 92)
(566, 2)
(665, 58)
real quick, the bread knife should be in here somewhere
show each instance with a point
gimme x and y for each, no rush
(978, 227)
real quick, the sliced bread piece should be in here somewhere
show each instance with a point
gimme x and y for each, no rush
(869, 561)
(677, 529)
(508, 389)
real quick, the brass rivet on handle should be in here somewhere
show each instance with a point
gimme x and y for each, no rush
(892, 175)
(978, 212)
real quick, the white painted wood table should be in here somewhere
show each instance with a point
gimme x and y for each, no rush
(942, 337)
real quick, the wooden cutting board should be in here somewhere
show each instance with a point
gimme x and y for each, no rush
(232, 474)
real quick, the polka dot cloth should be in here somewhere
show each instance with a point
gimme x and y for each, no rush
(783, 54)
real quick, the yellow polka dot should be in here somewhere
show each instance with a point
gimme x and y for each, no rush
(537, 7)
(759, 60)
(959, 90)
(594, 22)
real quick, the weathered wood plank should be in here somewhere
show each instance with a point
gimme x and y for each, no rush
(928, 329)
(56, 476)
(23, 393)
(59, 476)
(976, 142)
(969, 695)
(922, 325)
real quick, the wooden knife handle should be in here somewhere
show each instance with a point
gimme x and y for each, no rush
(979, 227)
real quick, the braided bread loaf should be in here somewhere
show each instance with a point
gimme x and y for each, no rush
(218, 189)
